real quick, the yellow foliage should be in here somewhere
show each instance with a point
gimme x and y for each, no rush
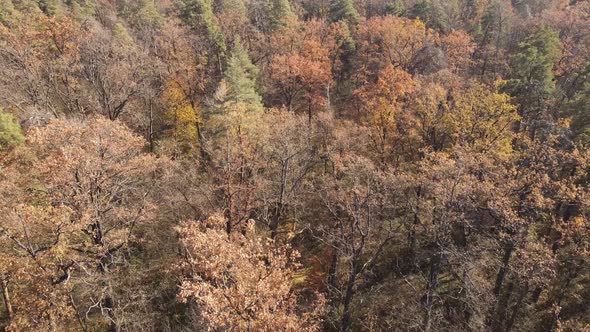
(482, 118)
(181, 116)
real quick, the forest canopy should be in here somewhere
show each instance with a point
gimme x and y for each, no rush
(294, 165)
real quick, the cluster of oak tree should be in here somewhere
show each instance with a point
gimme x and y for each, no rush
(294, 165)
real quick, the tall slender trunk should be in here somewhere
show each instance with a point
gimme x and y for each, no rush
(200, 138)
(278, 210)
(331, 283)
(536, 294)
(495, 316)
(560, 295)
(430, 289)
(502, 271)
(412, 231)
(499, 314)
(109, 304)
(79, 317)
(309, 113)
(328, 99)
(348, 294)
(6, 298)
(515, 310)
(151, 126)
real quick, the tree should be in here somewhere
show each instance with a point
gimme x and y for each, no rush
(281, 14)
(241, 282)
(181, 116)
(493, 30)
(390, 40)
(44, 60)
(143, 15)
(186, 79)
(114, 71)
(383, 107)
(357, 227)
(343, 10)
(301, 68)
(291, 155)
(570, 24)
(579, 108)
(93, 193)
(234, 21)
(532, 79)
(431, 13)
(483, 118)
(543, 199)
(199, 14)
(459, 47)
(396, 8)
(240, 77)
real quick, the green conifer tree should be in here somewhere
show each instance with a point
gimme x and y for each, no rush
(240, 77)
(431, 13)
(199, 13)
(343, 10)
(280, 13)
(396, 8)
(532, 80)
(578, 107)
(532, 66)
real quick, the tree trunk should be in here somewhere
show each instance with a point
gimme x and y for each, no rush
(502, 271)
(109, 304)
(278, 210)
(412, 231)
(309, 112)
(6, 298)
(348, 294)
(498, 315)
(331, 283)
(328, 99)
(517, 305)
(151, 126)
(560, 295)
(536, 294)
(494, 318)
(430, 289)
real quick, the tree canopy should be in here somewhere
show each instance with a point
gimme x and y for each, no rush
(294, 165)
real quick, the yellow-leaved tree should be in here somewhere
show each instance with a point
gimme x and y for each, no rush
(482, 119)
(181, 117)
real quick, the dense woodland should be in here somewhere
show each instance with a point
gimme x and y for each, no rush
(294, 165)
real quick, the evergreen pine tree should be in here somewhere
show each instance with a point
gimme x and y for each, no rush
(532, 83)
(343, 10)
(578, 107)
(396, 8)
(240, 77)
(199, 13)
(532, 66)
(280, 13)
(430, 13)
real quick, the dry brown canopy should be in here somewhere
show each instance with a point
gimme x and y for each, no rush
(240, 281)
(85, 192)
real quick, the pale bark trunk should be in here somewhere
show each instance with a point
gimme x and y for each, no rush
(6, 298)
